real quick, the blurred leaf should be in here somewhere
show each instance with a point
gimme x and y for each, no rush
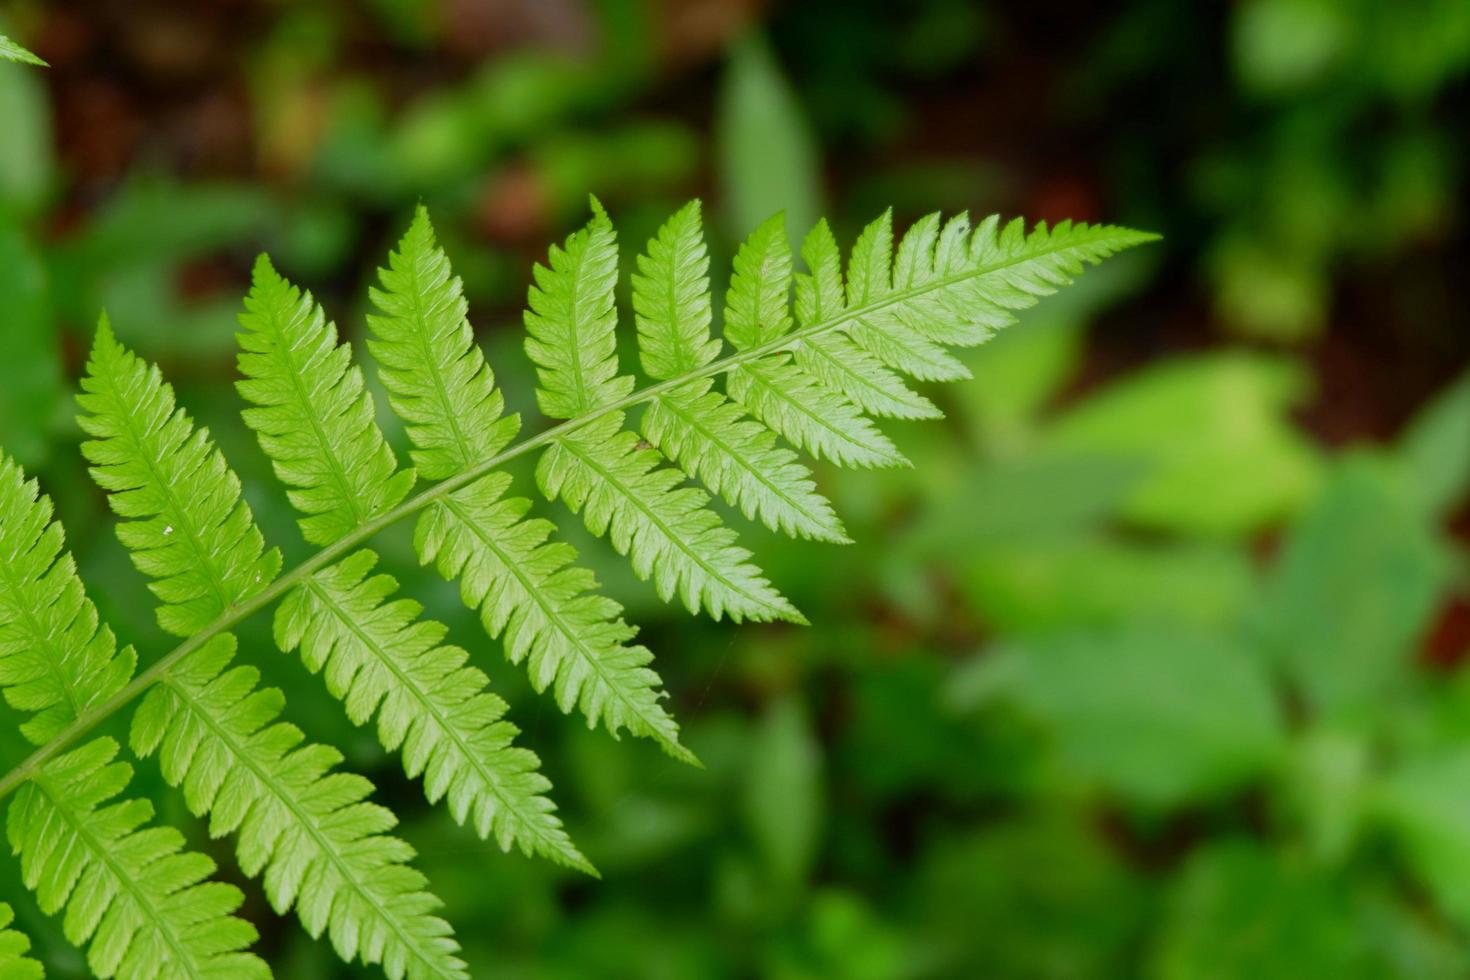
(1353, 589)
(1436, 449)
(1425, 807)
(845, 940)
(1159, 715)
(1017, 372)
(1282, 45)
(768, 157)
(30, 370)
(1091, 580)
(1033, 898)
(1024, 499)
(634, 158)
(1241, 913)
(1222, 457)
(783, 791)
(27, 163)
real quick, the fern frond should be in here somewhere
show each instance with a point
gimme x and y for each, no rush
(783, 394)
(190, 531)
(609, 475)
(833, 359)
(809, 415)
(304, 827)
(438, 382)
(812, 378)
(379, 657)
(526, 588)
(528, 591)
(700, 429)
(315, 421)
(132, 892)
(146, 903)
(56, 660)
(311, 412)
(712, 438)
(10, 51)
(615, 482)
(14, 945)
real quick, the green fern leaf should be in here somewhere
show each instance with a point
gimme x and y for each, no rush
(757, 304)
(315, 422)
(712, 438)
(437, 380)
(615, 482)
(528, 591)
(671, 299)
(698, 428)
(320, 847)
(131, 889)
(378, 656)
(809, 415)
(609, 475)
(55, 659)
(312, 414)
(14, 945)
(132, 892)
(570, 325)
(191, 533)
(526, 588)
(307, 829)
(10, 51)
(784, 395)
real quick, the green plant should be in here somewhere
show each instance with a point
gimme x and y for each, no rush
(145, 904)
(11, 51)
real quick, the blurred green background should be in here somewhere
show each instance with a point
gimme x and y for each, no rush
(1152, 666)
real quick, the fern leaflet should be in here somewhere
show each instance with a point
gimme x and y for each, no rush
(316, 423)
(14, 945)
(125, 889)
(526, 587)
(305, 828)
(131, 891)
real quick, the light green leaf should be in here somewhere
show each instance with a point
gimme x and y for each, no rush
(1353, 589)
(783, 792)
(768, 157)
(1161, 715)
(1436, 449)
(1223, 457)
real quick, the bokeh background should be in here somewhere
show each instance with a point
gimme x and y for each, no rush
(1151, 666)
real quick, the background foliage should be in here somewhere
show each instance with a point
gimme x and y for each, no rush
(1152, 664)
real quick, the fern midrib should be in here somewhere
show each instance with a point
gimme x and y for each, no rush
(302, 818)
(552, 615)
(55, 655)
(107, 857)
(694, 422)
(303, 402)
(284, 583)
(531, 829)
